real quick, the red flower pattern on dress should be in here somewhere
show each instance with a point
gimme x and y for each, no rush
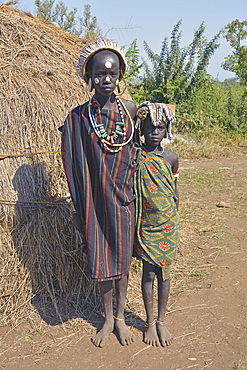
(163, 263)
(167, 228)
(169, 213)
(164, 246)
(143, 220)
(147, 205)
(139, 250)
(153, 169)
(153, 187)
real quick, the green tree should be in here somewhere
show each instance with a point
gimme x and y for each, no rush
(235, 32)
(176, 71)
(132, 57)
(134, 82)
(59, 15)
(44, 9)
(65, 19)
(89, 24)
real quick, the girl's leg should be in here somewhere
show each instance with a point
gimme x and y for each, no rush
(106, 294)
(125, 336)
(163, 293)
(148, 276)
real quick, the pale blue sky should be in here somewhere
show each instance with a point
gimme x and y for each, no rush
(153, 20)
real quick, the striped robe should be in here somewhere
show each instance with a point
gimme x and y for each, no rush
(101, 188)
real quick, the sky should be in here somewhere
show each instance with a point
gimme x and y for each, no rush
(153, 20)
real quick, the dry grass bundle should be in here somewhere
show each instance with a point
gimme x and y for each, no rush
(41, 257)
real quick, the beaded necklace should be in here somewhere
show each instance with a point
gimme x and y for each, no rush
(108, 140)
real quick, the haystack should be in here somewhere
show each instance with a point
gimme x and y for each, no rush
(41, 254)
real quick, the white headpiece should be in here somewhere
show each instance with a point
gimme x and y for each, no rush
(158, 112)
(92, 48)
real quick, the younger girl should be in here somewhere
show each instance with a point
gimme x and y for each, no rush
(157, 219)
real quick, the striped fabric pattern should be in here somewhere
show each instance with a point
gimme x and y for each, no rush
(101, 188)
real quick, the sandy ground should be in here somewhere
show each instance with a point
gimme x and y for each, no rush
(207, 308)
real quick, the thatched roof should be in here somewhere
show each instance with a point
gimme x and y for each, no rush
(38, 84)
(37, 76)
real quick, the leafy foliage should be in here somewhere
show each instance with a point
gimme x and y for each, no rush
(176, 71)
(235, 32)
(209, 109)
(132, 56)
(64, 19)
(59, 15)
(213, 107)
(135, 83)
(67, 20)
(89, 24)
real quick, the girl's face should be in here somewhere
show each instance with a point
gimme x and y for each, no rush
(105, 72)
(153, 134)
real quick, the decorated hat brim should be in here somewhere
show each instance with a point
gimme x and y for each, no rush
(82, 69)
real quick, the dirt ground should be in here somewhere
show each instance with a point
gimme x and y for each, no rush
(207, 305)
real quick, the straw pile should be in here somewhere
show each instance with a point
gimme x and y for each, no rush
(41, 256)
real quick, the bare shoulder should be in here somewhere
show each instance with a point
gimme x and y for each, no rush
(131, 106)
(171, 158)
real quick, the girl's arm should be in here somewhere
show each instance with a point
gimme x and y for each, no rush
(176, 197)
(175, 170)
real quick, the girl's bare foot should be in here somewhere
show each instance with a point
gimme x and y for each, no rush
(165, 337)
(100, 338)
(125, 335)
(150, 334)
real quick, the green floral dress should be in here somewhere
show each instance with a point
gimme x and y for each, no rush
(157, 219)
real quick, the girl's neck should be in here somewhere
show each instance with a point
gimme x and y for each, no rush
(156, 149)
(107, 102)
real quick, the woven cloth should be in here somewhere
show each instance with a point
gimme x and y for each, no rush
(101, 186)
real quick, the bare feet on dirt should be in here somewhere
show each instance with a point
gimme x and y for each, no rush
(151, 337)
(100, 338)
(125, 335)
(164, 336)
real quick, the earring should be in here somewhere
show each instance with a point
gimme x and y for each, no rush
(90, 85)
(117, 86)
